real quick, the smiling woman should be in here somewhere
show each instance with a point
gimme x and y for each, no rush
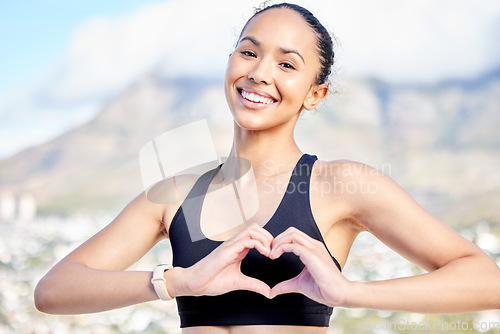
(271, 64)
(280, 270)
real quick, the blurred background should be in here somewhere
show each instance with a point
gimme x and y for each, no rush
(85, 84)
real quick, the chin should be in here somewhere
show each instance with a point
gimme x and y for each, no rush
(250, 125)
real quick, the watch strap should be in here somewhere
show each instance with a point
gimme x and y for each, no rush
(159, 281)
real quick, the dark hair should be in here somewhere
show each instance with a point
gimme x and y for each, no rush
(324, 45)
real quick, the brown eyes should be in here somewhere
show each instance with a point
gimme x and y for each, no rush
(284, 65)
(287, 66)
(248, 54)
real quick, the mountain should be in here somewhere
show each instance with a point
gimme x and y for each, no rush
(440, 142)
(96, 166)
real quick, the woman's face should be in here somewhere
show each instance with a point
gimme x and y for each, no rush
(271, 75)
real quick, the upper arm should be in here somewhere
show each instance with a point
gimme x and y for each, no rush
(126, 239)
(384, 209)
(142, 224)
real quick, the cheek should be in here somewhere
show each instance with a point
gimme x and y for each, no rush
(295, 89)
(234, 69)
(228, 73)
(229, 77)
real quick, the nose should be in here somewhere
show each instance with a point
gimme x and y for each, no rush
(261, 72)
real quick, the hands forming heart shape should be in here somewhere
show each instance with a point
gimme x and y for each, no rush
(220, 271)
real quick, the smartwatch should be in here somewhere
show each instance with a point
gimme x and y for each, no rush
(159, 281)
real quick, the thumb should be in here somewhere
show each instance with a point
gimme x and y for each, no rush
(255, 285)
(287, 286)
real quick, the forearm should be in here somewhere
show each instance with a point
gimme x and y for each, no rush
(463, 285)
(72, 288)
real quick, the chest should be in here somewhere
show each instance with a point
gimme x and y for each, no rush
(228, 208)
(216, 211)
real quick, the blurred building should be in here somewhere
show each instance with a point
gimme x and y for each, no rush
(22, 207)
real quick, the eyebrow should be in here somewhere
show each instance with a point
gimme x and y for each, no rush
(282, 50)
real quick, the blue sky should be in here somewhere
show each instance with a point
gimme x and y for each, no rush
(33, 34)
(62, 59)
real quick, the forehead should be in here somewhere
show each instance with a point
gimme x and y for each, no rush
(282, 27)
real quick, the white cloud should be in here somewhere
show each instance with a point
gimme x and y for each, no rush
(182, 38)
(419, 41)
(416, 41)
(400, 41)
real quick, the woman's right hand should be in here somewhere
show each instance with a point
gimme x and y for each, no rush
(219, 272)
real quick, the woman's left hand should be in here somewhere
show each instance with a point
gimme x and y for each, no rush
(320, 280)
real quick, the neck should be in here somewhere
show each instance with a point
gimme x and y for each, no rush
(273, 149)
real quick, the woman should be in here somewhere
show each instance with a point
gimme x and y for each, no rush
(280, 270)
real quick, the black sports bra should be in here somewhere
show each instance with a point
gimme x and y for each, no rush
(246, 307)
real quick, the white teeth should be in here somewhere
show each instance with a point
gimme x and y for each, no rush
(256, 98)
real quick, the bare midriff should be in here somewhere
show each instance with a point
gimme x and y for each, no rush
(261, 329)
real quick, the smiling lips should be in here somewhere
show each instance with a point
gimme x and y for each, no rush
(256, 98)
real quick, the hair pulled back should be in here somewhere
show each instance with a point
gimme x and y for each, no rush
(324, 40)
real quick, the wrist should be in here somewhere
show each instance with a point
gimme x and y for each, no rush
(159, 283)
(175, 282)
(351, 296)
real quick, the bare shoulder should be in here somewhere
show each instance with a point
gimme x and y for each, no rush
(338, 189)
(170, 193)
(349, 177)
(173, 190)
(363, 189)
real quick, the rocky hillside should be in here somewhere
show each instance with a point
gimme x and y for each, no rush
(439, 142)
(96, 166)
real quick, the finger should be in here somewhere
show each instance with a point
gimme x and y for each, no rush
(287, 286)
(257, 232)
(321, 268)
(292, 247)
(253, 243)
(292, 234)
(313, 258)
(235, 251)
(255, 285)
(296, 237)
